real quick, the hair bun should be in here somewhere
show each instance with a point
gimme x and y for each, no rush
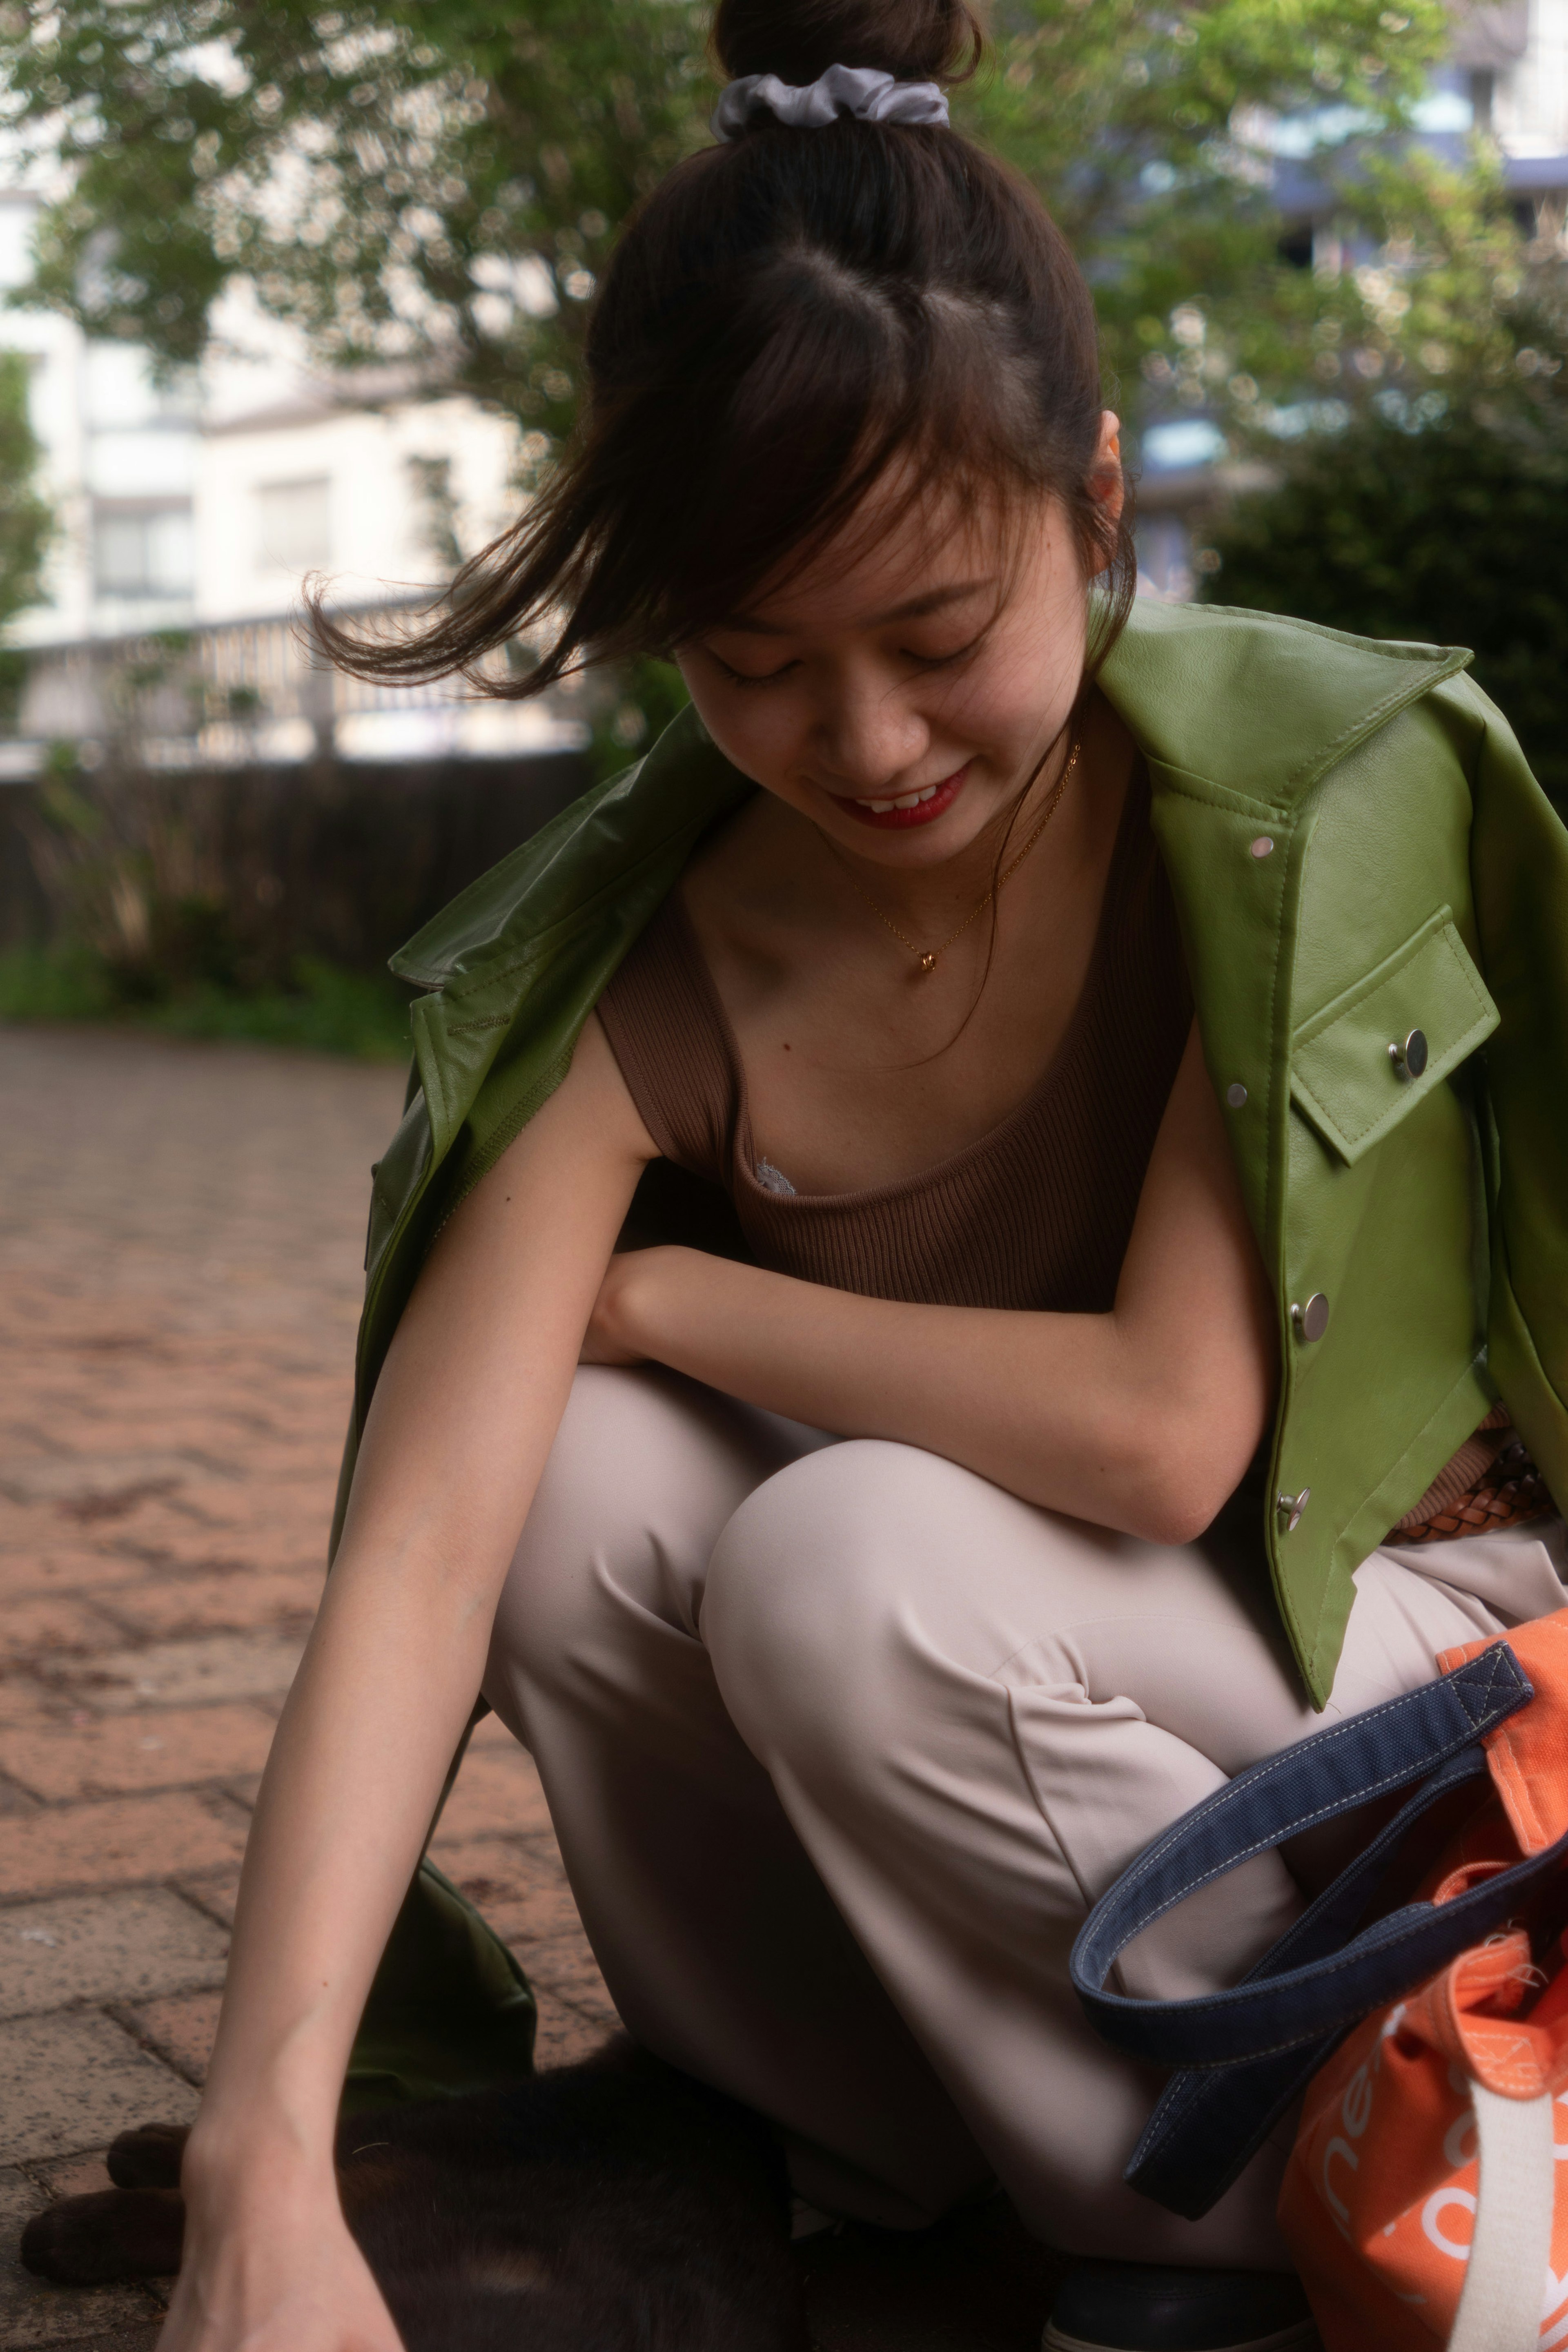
(914, 40)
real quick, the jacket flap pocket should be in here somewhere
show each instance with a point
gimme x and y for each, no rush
(1351, 1073)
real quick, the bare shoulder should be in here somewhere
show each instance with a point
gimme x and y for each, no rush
(591, 1120)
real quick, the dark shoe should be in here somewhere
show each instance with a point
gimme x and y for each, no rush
(1134, 2307)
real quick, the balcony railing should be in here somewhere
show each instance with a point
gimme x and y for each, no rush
(247, 692)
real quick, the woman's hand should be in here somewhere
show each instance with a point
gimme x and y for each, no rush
(284, 2276)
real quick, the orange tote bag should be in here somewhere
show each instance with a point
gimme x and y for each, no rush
(1425, 2201)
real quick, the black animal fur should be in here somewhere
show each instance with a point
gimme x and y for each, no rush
(615, 2206)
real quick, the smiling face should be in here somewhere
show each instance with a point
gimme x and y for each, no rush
(900, 690)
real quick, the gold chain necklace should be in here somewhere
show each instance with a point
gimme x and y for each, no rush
(927, 957)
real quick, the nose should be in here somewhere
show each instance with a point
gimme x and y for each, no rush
(867, 738)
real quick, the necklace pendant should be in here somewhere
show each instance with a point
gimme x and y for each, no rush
(928, 961)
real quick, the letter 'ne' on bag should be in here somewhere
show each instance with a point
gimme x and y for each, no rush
(1426, 2200)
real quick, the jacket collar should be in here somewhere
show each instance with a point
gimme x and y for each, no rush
(1257, 704)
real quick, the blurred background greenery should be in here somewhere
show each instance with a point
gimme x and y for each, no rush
(1373, 368)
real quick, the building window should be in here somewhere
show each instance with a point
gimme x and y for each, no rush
(143, 550)
(295, 532)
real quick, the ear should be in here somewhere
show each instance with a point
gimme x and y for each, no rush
(1107, 480)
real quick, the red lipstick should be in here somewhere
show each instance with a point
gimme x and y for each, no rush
(899, 820)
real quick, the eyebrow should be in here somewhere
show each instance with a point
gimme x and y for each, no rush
(917, 609)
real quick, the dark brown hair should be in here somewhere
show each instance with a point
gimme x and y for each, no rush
(788, 315)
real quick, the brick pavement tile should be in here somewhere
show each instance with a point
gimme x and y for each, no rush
(175, 1674)
(28, 1527)
(564, 2034)
(242, 1599)
(498, 1791)
(157, 1528)
(545, 1915)
(75, 2176)
(127, 1945)
(492, 1871)
(179, 2030)
(538, 1849)
(113, 1755)
(117, 1842)
(67, 1569)
(126, 1449)
(196, 1546)
(84, 1481)
(213, 1891)
(33, 2313)
(68, 2083)
(305, 1456)
(230, 1504)
(568, 1968)
(51, 1623)
(24, 1699)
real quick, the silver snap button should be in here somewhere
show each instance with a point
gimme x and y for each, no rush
(1236, 1095)
(1291, 1508)
(1408, 1055)
(1312, 1319)
(1262, 846)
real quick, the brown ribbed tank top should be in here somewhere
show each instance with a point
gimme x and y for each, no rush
(1035, 1214)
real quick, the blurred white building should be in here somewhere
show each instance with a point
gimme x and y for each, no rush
(1512, 55)
(200, 505)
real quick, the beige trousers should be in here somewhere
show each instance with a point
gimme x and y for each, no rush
(840, 1741)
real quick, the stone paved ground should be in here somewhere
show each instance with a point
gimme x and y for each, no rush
(180, 1231)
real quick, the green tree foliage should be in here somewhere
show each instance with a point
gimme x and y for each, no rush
(433, 182)
(27, 522)
(438, 182)
(1152, 133)
(1450, 528)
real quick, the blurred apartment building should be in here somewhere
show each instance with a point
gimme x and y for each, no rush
(1506, 76)
(189, 512)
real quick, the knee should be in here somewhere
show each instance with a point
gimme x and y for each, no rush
(805, 1613)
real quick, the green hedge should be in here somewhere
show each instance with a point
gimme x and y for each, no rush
(322, 1009)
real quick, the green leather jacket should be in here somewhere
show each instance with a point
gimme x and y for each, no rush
(1358, 850)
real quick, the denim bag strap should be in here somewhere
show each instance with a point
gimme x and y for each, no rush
(1252, 2047)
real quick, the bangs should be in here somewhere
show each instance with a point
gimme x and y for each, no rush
(856, 394)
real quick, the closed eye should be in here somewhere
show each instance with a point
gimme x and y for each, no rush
(745, 678)
(945, 661)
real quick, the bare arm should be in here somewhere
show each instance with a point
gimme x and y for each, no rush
(1142, 1419)
(463, 1419)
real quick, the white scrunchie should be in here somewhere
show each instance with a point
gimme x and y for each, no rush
(863, 91)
